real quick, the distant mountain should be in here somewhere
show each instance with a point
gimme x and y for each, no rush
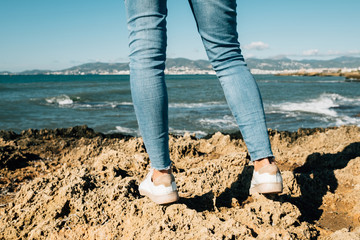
(187, 66)
(99, 66)
(184, 62)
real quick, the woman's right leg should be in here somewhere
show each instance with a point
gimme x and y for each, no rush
(147, 42)
(147, 26)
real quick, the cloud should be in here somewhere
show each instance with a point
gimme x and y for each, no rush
(311, 52)
(257, 46)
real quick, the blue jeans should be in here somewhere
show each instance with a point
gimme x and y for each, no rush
(216, 22)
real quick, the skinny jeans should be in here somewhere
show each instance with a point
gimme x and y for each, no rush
(216, 23)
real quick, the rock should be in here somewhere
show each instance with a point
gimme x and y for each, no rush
(77, 184)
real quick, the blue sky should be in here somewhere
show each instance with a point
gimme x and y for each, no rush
(54, 34)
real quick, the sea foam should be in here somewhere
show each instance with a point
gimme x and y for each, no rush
(226, 122)
(66, 101)
(197, 105)
(60, 100)
(325, 108)
(325, 104)
(126, 130)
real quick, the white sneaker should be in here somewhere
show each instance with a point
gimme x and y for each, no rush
(162, 190)
(267, 180)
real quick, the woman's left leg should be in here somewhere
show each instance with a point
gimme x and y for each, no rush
(216, 21)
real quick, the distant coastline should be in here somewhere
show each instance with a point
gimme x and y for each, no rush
(348, 67)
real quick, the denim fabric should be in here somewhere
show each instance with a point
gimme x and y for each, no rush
(216, 22)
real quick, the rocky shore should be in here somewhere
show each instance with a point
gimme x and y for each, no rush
(79, 184)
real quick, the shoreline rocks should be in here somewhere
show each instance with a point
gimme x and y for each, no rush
(78, 184)
(349, 76)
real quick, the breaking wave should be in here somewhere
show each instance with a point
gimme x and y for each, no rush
(64, 101)
(226, 122)
(60, 100)
(328, 107)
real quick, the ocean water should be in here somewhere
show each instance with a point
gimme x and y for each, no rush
(196, 103)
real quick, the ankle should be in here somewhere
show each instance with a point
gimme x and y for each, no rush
(158, 173)
(261, 163)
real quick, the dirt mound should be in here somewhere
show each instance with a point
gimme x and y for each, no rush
(78, 184)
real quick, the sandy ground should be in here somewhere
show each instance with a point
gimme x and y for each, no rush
(77, 184)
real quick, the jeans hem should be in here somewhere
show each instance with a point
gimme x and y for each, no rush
(261, 156)
(161, 168)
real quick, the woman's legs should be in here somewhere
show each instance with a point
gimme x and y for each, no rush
(147, 25)
(147, 42)
(216, 21)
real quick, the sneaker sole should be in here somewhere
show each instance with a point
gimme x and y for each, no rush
(162, 199)
(266, 188)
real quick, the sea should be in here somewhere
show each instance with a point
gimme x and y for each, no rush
(196, 103)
